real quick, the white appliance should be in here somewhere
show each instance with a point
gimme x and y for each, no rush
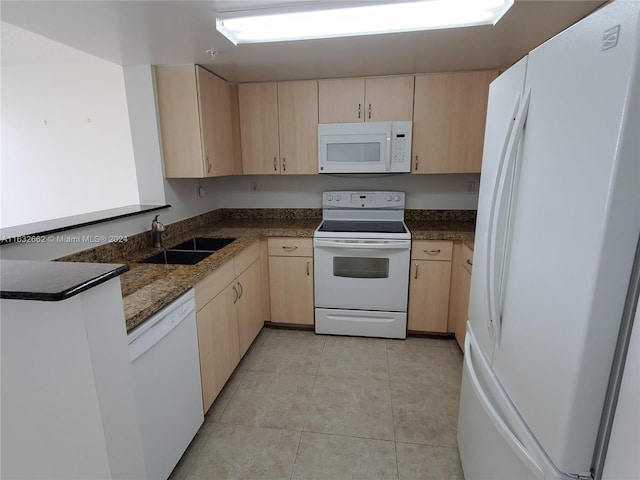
(166, 373)
(554, 284)
(361, 265)
(368, 147)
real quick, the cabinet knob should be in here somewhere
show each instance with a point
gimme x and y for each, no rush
(469, 262)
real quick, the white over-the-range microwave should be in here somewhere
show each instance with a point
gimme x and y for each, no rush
(369, 147)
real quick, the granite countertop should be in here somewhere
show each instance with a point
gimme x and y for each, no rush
(146, 288)
(427, 230)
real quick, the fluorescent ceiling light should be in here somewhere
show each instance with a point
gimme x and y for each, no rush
(283, 24)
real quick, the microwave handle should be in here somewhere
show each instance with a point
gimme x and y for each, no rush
(388, 156)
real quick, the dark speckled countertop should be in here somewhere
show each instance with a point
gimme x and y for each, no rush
(146, 288)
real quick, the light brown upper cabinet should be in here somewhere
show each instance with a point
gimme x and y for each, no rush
(448, 121)
(196, 111)
(279, 127)
(348, 100)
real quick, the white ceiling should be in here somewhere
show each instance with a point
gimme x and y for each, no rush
(176, 32)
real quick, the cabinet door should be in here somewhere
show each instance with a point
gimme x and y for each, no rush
(462, 289)
(258, 105)
(291, 286)
(389, 99)
(215, 124)
(249, 305)
(179, 119)
(298, 122)
(217, 344)
(341, 100)
(429, 295)
(448, 121)
(460, 294)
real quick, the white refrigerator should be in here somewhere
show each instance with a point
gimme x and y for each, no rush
(555, 281)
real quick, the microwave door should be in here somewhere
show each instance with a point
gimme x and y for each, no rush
(351, 153)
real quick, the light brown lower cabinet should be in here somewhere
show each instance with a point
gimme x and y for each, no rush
(217, 343)
(460, 287)
(429, 286)
(291, 280)
(229, 316)
(249, 305)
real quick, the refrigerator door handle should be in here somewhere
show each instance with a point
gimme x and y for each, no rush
(500, 206)
(519, 449)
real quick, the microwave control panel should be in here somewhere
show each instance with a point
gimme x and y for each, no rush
(363, 199)
(399, 147)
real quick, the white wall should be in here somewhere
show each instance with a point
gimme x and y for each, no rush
(437, 192)
(66, 141)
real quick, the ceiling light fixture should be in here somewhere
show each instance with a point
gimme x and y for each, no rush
(292, 23)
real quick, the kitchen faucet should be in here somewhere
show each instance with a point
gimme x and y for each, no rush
(156, 232)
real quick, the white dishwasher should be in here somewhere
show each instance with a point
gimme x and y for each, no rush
(166, 374)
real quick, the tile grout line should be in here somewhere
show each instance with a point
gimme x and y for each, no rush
(306, 414)
(393, 420)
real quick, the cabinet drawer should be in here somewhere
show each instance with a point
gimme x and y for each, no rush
(431, 249)
(467, 258)
(246, 257)
(290, 247)
(214, 283)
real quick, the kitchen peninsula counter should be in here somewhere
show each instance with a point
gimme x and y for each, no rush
(146, 288)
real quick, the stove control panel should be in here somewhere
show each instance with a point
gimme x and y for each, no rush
(363, 199)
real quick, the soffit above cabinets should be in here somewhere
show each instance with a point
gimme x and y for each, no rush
(178, 32)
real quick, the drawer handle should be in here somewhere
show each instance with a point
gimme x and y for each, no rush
(433, 252)
(359, 109)
(284, 164)
(287, 248)
(416, 275)
(235, 295)
(308, 268)
(241, 290)
(369, 110)
(416, 162)
(275, 168)
(469, 262)
(208, 165)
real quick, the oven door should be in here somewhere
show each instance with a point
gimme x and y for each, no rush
(361, 274)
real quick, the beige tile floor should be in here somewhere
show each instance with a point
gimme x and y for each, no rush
(305, 406)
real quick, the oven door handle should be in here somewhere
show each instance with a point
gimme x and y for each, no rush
(374, 244)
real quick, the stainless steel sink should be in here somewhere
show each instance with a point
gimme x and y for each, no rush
(204, 243)
(189, 252)
(178, 257)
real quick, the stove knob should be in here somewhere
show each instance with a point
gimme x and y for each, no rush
(338, 198)
(329, 197)
(389, 198)
(397, 198)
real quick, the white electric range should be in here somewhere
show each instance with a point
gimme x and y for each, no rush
(361, 264)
